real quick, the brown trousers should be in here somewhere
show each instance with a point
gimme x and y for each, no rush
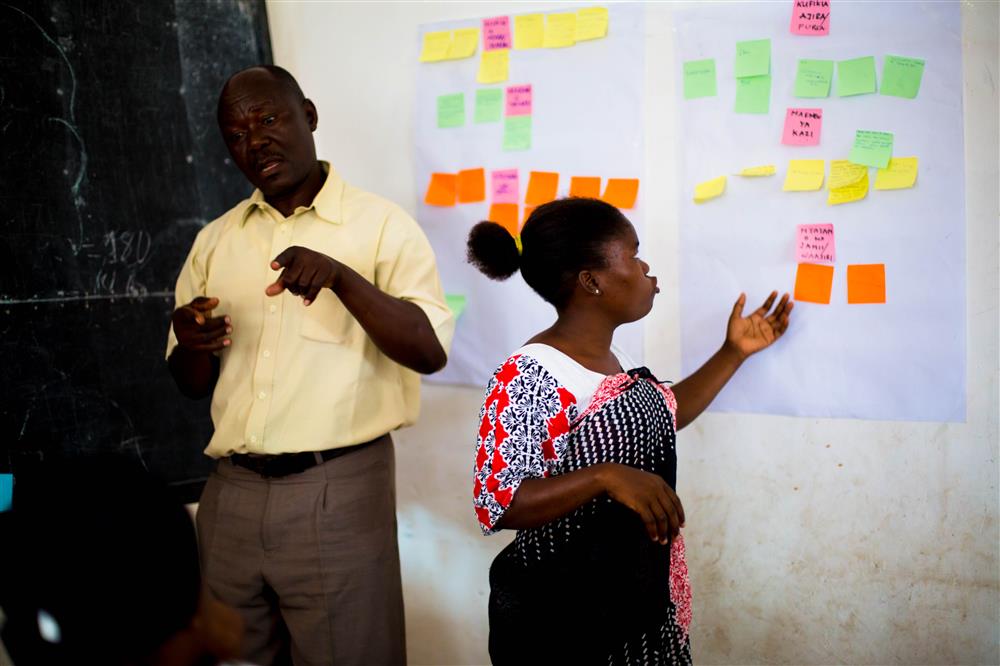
(310, 560)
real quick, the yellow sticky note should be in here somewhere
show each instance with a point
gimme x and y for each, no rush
(493, 66)
(560, 31)
(591, 23)
(463, 43)
(436, 45)
(710, 189)
(753, 172)
(900, 174)
(844, 173)
(848, 193)
(804, 175)
(529, 31)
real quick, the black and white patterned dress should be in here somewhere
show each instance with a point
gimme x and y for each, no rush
(590, 587)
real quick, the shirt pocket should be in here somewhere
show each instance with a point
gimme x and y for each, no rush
(327, 320)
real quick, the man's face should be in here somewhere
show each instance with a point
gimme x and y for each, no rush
(268, 132)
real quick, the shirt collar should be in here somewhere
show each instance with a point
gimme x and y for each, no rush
(326, 203)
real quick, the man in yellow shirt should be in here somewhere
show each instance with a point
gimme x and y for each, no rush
(306, 312)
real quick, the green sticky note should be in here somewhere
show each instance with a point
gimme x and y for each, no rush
(813, 78)
(456, 303)
(489, 105)
(451, 110)
(753, 58)
(856, 77)
(517, 133)
(753, 94)
(901, 76)
(871, 148)
(699, 79)
(6, 491)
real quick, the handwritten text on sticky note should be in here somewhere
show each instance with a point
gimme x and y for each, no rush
(496, 33)
(811, 17)
(518, 100)
(815, 244)
(802, 127)
(505, 186)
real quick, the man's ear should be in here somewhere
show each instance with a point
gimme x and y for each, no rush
(312, 115)
(588, 281)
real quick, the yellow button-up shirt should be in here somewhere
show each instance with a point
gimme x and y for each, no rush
(300, 378)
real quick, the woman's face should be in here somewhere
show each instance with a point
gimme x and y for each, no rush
(625, 282)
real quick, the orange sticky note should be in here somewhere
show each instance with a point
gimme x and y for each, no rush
(585, 186)
(813, 283)
(621, 192)
(542, 186)
(866, 283)
(471, 185)
(441, 191)
(506, 216)
(527, 214)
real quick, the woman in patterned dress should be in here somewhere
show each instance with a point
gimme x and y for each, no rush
(576, 450)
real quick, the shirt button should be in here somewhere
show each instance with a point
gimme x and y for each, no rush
(261, 395)
(273, 309)
(267, 353)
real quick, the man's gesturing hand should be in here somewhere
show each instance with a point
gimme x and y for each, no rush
(305, 273)
(197, 330)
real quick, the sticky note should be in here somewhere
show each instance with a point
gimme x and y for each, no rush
(699, 78)
(757, 171)
(496, 33)
(856, 77)
(560, 30)
(900, 174)
(435, 47)
(866, 283)
(489, 105)
(871, 148)
(591, 23)
(6, 491)
(528, 210)
(517, 133)
(493, 66)
(753, 58)
(846, 194)
(709, 190)
(844, 173)
(621, 192)
(753, 94)
(813, 78)
(901, 76)
(585, 186)
(810, 17)
(529, 31)
(518, 100)
(814, 244)
(471, 185)
(542, 187)
(463, 43)
(505, 215)
(804, 175)
(456, 303)
(813, 283)
(442, 190)
(505, 186)
(802, 127)
(451, 110)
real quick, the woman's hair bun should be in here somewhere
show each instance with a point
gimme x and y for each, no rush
(493, 251)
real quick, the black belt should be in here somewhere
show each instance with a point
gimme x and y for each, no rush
(292, 463)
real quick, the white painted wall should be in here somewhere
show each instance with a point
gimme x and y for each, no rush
(809, 541)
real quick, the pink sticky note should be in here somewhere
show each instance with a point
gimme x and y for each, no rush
(505, 186)
(815, 244)
(518, 100)
(802, 127)
(811, 17)
(496, 33)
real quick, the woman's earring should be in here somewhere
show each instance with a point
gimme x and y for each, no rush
(597, 292)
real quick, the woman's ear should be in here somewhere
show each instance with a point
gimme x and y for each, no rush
(589, 283)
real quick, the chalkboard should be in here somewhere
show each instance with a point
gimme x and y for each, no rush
(112, 162)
